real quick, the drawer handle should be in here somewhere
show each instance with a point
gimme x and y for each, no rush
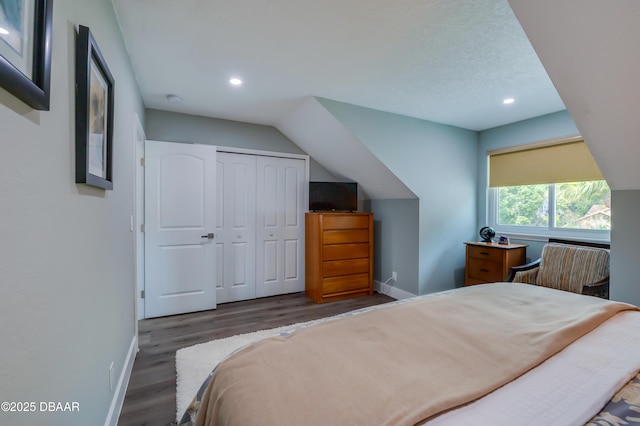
(486, 253)
(484, 270)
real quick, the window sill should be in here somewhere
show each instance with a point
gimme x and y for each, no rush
(544, 237)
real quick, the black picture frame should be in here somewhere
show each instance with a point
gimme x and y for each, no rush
(34, 91)
(94, 113)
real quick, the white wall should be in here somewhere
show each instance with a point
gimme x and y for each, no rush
(66, 256)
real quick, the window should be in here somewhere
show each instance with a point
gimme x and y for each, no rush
(577, 208)
(535, 190)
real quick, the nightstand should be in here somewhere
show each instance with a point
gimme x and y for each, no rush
(490, 262)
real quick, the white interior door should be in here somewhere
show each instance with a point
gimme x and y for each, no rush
(281, 206)
(236, 227)
(179, 224)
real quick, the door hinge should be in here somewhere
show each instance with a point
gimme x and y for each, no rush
(142, 162)
(142, 228)
(142, 294)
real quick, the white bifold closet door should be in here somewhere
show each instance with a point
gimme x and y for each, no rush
(236, 227)
(280, 243)
(259, 231)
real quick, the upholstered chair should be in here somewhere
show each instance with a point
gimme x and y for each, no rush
(579, 269)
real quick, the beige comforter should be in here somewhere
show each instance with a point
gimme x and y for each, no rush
(403, 364)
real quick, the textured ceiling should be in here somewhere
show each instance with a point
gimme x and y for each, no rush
(449, 61)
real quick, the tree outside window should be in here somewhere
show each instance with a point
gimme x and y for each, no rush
(576, 205)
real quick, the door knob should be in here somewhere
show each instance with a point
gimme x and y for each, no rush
(209, 236)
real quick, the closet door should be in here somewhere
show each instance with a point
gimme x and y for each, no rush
(236, 227)
(280, 226)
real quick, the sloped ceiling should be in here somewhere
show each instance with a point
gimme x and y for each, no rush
(323, 137)
(591, 51)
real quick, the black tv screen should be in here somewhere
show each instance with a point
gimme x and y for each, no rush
(333, 196)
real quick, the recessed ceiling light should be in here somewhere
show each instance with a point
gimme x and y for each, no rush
(235, 81)
(174, 99)
(508, 101)
(3, 31)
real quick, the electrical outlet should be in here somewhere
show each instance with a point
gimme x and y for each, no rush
(111, 376)
(394, 276)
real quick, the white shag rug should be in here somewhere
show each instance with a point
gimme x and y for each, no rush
(194, 363)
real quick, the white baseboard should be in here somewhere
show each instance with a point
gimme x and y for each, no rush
(396, 293)
(121, 389)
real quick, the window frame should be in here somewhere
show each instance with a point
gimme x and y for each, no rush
(540, 232)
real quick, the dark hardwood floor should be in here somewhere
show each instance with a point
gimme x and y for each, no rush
(151, 395)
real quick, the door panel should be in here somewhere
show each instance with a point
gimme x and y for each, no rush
(292, 203)
(270, 269)
(236, 227)
(281, 206)
(239, 264)
(291, 257)
(179, 212)
(270, 189)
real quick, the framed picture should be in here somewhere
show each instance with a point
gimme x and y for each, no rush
(94, 114)
(503, 240)
(25, 50)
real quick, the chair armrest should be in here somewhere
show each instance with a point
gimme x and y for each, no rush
(599, 289)
(512, 270)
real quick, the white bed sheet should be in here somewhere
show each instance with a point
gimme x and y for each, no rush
(567, 389)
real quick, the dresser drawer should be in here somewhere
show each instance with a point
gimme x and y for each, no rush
(346, 221)
(345, 283)
(346, 236)
(487, 253)
(345, 251)
(485, 270)
(345, 267)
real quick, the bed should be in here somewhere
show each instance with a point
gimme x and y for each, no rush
(500, 353)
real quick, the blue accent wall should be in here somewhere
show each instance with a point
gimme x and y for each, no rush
(436, 162)
(625, 255)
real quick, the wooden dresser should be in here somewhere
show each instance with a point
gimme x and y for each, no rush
(338, 255)
(490, 262)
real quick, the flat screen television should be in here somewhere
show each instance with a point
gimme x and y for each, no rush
(333, 196)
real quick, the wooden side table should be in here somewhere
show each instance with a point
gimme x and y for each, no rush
(490, 262)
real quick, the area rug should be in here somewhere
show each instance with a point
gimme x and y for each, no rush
(194, 363)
